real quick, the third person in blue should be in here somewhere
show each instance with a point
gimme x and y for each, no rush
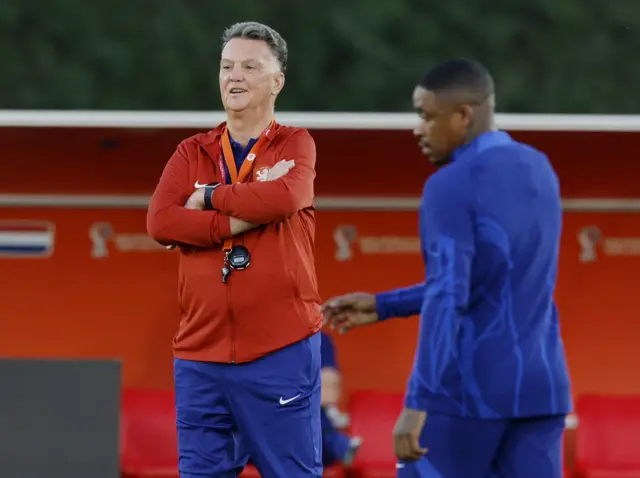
(489, 390)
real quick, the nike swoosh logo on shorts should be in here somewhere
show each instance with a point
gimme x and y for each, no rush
(197, 185)
(284, 402)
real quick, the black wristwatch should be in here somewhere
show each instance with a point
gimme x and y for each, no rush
(208, 195)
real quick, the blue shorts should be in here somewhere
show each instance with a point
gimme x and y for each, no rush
(266, 411)
(470, 448)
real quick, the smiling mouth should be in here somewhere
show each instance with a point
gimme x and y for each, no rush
(237, 91)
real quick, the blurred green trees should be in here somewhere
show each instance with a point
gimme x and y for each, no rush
(561, 56)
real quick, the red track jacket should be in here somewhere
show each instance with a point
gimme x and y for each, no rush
(272, 303)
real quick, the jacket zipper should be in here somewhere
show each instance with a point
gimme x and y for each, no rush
(233, 328)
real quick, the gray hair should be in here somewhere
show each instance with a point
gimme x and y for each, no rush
(259, 31)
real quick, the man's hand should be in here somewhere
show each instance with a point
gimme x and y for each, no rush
(406, 435)
(351, 310)
(280, 169)
(196, 201)
(238, 226)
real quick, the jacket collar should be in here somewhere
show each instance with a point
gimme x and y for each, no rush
(481, 143)
(210, 140)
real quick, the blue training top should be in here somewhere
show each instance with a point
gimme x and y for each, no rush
(489, 341)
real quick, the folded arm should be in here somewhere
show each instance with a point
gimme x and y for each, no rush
(274, 201)
(169, 222)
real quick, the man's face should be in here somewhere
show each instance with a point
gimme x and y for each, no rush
(249, 74)
(443, 123)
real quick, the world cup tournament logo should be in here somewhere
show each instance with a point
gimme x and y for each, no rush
(100, 233)
(344, 236)
(588, 238)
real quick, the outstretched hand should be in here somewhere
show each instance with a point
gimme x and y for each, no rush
(351, 310)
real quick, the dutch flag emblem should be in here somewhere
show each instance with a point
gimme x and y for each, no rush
(26, 238)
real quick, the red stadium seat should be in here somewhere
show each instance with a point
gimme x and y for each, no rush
(334, 472)
(608, 437)
(149, 445)
(373, 416)
(566, 472)
(250, 471)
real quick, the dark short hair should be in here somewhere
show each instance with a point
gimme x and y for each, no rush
(259, 31)
(459, 74)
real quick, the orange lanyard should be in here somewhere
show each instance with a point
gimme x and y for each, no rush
(247, 165)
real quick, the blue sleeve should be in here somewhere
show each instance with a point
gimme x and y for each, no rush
(447, 232)
(403, 302)
(327, 352)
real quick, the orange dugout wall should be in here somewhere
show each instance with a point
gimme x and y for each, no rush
(99, 287)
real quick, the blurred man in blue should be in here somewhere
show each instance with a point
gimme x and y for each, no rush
(490, 368)
(337, 446)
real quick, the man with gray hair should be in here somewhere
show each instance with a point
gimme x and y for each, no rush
(237, 202)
